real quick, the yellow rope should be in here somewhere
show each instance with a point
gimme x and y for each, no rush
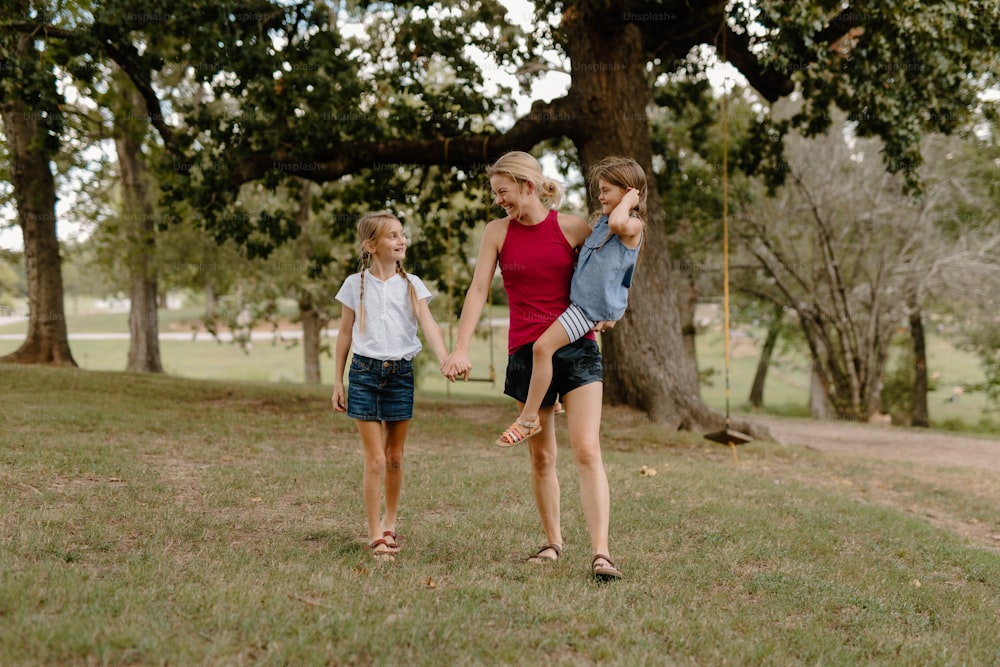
(449, 271)
(725, 235)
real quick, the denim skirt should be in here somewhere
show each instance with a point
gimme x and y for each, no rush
(380, 390)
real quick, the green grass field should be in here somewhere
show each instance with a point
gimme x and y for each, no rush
(276, 361)
(159, 520)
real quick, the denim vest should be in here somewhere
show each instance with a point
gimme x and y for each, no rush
(603, 274)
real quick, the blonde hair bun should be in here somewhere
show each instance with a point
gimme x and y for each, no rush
(522, 168)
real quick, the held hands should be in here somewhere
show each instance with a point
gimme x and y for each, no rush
(456, 365)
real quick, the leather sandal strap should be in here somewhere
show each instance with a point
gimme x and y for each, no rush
(554, 547)
(598, 557)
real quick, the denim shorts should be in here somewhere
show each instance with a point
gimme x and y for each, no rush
(380, 390)
(573, 366)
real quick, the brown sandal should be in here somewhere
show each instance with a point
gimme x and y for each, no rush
(605, 572)
(396, 539)
(383, 554)
(539, 558)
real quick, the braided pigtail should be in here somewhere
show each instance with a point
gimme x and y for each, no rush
(414, 302)
(370, 228)
(363, 265)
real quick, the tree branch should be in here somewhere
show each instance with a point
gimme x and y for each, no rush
(771, 84)
(475, 152)
(126, 58)
(128, 61)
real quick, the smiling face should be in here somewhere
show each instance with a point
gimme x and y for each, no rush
(609, 195)
(507, 195)
(390, 246)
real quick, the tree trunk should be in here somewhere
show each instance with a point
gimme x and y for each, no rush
(28, 143)
(312, 326)
(313, 320)
(211, 301)
(820, 406)
(687, 301)
(139, 229)
(920, 415)
(764, 363)
(646, 363)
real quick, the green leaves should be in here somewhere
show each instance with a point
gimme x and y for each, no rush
(899, 69)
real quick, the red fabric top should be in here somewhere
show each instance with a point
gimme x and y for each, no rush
(536, 262)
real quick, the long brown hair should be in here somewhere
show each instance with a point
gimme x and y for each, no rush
(371, 227)
(622, 172)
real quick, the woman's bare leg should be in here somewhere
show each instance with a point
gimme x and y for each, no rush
(583, 418)
(545, 482)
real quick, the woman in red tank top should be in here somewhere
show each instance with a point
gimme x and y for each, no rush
(535, 248)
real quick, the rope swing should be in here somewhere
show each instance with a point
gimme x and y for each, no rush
(450, 278)
(726, 436)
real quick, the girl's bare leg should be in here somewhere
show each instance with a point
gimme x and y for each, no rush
(395, 437)
(547, 345)
(372, 439)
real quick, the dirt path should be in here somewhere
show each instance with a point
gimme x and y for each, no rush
(964, 466)
(891, 443)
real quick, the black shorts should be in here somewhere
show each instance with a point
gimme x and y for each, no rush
(573, 366)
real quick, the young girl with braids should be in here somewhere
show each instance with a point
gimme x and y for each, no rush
(382, 306)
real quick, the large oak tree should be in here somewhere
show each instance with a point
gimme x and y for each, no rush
(319, 103)
(871, 62)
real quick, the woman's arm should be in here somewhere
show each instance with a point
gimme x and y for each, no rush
(574, 228)
(475, 299)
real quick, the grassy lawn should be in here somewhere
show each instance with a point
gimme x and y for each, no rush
(281, 361)
(787, 388)
(163, 520)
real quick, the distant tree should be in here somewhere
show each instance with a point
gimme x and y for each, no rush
(854, 258)
(967, 285)
(10, 282)
(32, 125)
(138, 225)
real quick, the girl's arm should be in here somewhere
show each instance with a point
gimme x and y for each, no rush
(344, 338)
(623, 223)
(432, 332)
(475, 299)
